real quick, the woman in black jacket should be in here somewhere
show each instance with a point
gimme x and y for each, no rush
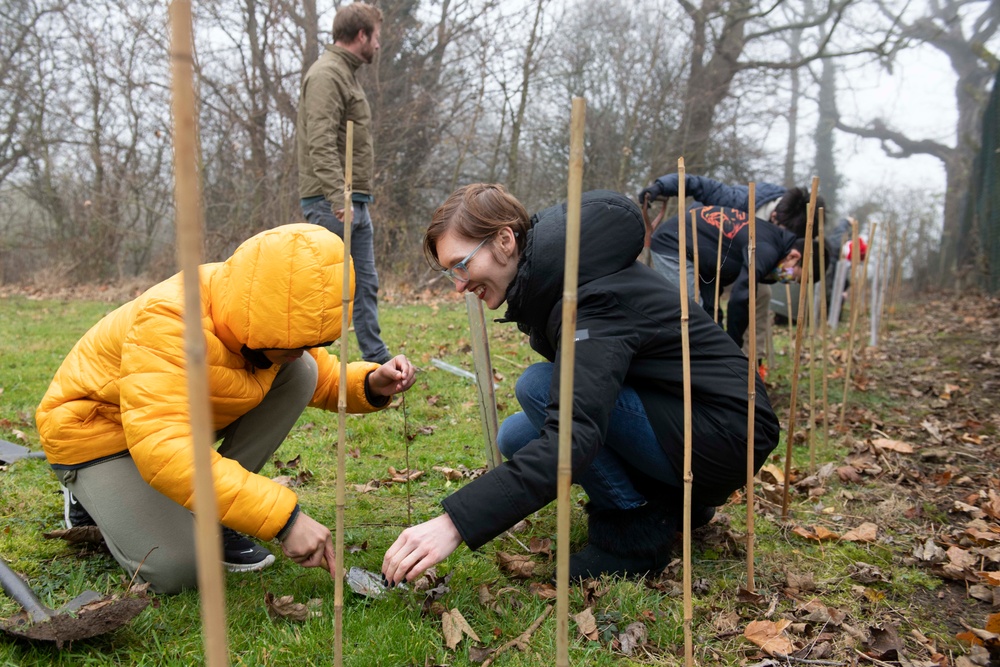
(628, 419)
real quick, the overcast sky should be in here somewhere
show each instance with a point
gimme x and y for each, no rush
(917, 98)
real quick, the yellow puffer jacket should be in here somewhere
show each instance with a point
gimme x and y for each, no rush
(123, 386)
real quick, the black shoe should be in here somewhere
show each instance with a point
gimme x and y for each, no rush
(241, 554)
(701, 515)
(626, 543)
(74, 513)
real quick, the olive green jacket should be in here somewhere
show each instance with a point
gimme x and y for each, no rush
(331, 96)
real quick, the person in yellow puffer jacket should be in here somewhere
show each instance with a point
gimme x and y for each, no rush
(114, 421)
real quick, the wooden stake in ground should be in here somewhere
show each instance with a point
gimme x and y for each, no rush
(718, 273)
(751, 381)
(484, 378)
(567, 349)
(807, 284)
(822, 320)
(797, 354)
(190, 226)
(688, 475)
(855, 262)
(694, 245)
(347, 297)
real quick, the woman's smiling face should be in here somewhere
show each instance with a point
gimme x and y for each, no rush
(488, 276)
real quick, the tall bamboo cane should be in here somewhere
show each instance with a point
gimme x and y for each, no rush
(567, 345)
(688, 475)
(855, 261)
(822, 320)
(751, 381)
(346, 297)
(796, 355)
(807, 284)
(190, 225)
(694, 243)
(718, 275)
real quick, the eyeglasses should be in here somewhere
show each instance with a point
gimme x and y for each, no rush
(460, 272)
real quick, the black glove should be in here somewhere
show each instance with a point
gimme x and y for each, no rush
(651, 193)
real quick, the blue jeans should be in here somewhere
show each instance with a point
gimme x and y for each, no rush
(317, 211)
(630, 445)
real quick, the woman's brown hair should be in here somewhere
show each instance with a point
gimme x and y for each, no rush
(476, 211)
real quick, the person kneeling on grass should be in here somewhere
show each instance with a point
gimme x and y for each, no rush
(628, 418)
(114, 421)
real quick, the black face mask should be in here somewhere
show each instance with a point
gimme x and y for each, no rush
(256, 358)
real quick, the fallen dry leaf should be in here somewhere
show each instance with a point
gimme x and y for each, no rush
(586, 624)
(635, 635)
(516, 565)
(454, 627)
(544, 591)
(450, 474)
(286, 607)
(818, 533)
(893, 445)
(866, 532)
(770, 636)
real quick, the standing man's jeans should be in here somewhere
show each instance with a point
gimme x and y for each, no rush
(317, 211)
(630, 443)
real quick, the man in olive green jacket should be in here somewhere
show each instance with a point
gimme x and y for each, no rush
(331, 96)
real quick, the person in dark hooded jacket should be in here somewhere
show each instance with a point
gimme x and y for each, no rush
(778, 258)
(628, 422)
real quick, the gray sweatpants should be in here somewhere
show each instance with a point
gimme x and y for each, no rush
(148, 532)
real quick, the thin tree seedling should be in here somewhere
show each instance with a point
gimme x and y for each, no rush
(822, 321)
(855, 261)
(694, 245)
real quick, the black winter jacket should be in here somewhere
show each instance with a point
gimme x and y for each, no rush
(628, 331)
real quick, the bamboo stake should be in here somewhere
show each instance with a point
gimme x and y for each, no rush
(751, 384)
(796, 355)
(688, 475)
(190, 226)
(346, 296)
(855, 261)
(484, 378)
(718, 274)
(567, 352)
(694, 243)
(822, 321)
(807, 284)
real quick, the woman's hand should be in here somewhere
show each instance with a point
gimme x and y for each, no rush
(310, 544)
(418, 548)
(392, 377)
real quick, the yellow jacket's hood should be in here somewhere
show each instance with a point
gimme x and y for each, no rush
(281, 289)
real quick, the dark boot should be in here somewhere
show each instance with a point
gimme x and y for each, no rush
(626, 543)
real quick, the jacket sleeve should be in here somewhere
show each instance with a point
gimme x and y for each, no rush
(328, 384)
(323, 103)
(496, 501)
(707, 191)
(155, 418)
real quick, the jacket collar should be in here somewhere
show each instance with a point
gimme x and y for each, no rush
(353, 61)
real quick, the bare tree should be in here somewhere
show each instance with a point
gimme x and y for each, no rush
(951, 27)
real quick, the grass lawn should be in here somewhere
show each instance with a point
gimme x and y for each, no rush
(438, 425)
